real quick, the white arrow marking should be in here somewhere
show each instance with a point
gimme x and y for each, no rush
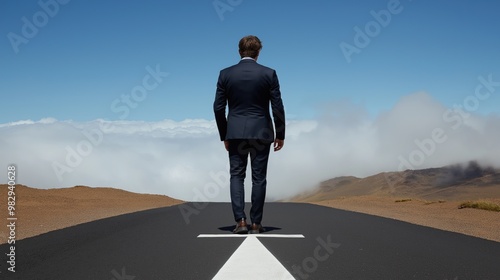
(252, 260)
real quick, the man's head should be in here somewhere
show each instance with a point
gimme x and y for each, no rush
(250, 46)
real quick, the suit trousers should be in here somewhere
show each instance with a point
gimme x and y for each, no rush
(239, 152)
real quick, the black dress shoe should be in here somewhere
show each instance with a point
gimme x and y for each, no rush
(241, 227)
(256, 228)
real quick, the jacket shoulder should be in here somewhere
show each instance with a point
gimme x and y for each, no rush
(266, 67)
(229, 68)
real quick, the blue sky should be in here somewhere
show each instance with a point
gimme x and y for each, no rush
(87, 54)
(120, 93)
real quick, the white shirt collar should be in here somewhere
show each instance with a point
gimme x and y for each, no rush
(247, 57)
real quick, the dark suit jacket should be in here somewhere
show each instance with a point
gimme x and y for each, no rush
(248, 88)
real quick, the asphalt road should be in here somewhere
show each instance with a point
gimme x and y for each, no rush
(164, 243)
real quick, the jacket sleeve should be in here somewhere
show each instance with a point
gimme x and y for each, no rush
(220, 108)
(277, 107)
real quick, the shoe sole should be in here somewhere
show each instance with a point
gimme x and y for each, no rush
(241, 231)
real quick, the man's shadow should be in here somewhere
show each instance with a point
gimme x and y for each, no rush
(266, 228)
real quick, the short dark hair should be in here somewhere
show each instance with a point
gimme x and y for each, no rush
(250, 46)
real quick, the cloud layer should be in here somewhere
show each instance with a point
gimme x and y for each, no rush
(186, 160)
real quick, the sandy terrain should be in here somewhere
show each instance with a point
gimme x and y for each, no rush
(451, 185)
(39, 211)
(442, 215)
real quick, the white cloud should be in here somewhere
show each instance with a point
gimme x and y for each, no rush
(187, 161)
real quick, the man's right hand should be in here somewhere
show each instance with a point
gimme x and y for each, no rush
(278, 144)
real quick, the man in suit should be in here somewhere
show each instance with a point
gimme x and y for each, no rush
(248, 88)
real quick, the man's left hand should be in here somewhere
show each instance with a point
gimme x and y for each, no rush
(278, 144)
